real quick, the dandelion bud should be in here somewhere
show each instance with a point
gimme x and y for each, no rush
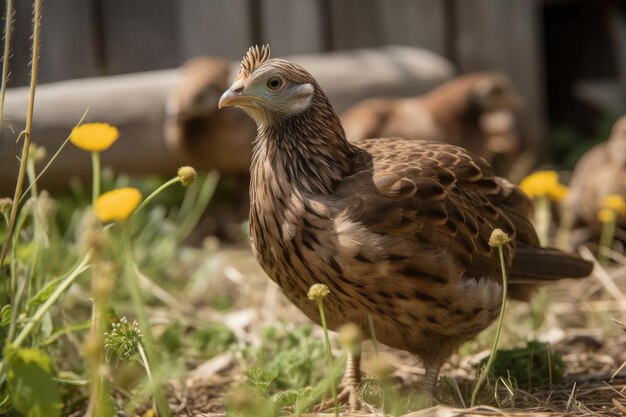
(5, 204)
(498, 238)
(187, 175)
(380, 367)
(318, 292)
(350, 337)
(37, 153)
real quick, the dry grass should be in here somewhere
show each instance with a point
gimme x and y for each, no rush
(578, 319)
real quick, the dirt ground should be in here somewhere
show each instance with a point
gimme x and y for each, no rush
(580, 319)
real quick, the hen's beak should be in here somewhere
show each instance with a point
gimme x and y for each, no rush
(229, 99)
(234, 96)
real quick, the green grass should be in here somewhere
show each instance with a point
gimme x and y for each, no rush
(115, 318)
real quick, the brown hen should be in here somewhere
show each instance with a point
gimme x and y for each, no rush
(477, 111)
(397, 229)
(599, 173)
(196, 131)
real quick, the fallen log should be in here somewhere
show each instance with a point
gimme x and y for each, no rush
(136, 104)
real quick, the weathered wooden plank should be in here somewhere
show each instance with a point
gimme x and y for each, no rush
(21, 43)
(356, 24)
(139, 35)
(505, 36)
(67, 41)
(216, 27)
(292, 26)
(359, 23)
(415, 23)
(69, 45)
(136, 104)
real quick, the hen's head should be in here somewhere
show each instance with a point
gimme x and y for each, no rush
(617, 141)
(493, 91)
(197, 95)
(270, 90)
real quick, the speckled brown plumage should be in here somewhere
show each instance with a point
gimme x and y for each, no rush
(478, 111)
(194, 128)
(599, 173)
(397, 229)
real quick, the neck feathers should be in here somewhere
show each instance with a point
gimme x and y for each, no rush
(308, 150)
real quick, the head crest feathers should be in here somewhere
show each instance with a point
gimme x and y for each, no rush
(253, 58)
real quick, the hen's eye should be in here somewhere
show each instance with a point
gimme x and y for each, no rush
(274, 83)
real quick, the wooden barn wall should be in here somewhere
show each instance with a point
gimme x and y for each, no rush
(84, 38)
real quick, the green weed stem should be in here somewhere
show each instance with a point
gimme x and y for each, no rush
(373, 333)
(606, 238)
(132, 281)
(155, 193)
(494, 348)
(43, 309)
(543, 218)
(95, 166)
(329, 355)
(27, 130)
(145, 363)
(30, 172)
(8, 29)
(56, 154)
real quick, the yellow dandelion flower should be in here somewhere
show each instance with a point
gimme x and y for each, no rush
(558, 192)
(118, 204)
(544, 184)
(94, 137)
(606, 215)
(616, 203)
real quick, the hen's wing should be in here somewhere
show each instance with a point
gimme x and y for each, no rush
(445, 198)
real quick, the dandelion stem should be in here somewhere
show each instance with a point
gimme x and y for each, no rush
(329, 356)
(30, 172)
(155, 193)
(494, 348)
(95, 165)
(26, 133)
(606, 238)
(373, 333)
(142, 317)
(543, 218)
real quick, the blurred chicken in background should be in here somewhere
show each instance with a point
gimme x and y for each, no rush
(478, 111)
(195, 129)
(598, 174)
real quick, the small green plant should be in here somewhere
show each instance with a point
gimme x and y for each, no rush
(497, 240)
(533, 365)
(317, 293)
(614, 207)
(123, 341)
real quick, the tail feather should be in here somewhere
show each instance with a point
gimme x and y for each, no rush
(535, 265)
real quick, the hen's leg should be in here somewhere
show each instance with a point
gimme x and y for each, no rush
(349, 384)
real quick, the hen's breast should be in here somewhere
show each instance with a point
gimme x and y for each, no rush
(411, 288)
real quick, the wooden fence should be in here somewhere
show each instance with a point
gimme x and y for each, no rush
(83, 38)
